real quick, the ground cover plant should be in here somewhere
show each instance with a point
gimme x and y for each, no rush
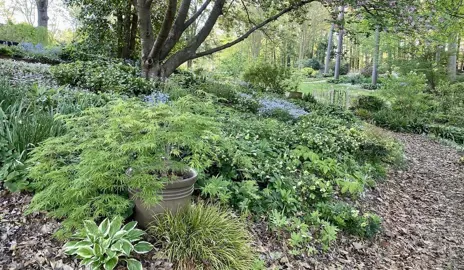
(280, 108)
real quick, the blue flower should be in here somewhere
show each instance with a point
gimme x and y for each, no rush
(156, 97)
(269, 105)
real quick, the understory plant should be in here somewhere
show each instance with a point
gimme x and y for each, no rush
(204, 236)
(87, 172)
(104, 246)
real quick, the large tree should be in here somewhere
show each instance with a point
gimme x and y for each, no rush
(42, 13)
(159, 59)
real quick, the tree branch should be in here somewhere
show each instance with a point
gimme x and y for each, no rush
(177, 29)
(256, 27)
(165, 28)
(196, 15)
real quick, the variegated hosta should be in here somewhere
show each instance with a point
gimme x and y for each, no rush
(101, 247)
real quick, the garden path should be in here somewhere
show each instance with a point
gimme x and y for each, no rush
(422, 207)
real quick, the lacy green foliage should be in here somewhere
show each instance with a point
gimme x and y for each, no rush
(267, 77)
(100, 76)
(309, 72)
(85, 174)
(105, 245)
(23, 32)
(293, 83)
(204, 237)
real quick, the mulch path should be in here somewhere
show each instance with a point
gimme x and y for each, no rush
(422, 207)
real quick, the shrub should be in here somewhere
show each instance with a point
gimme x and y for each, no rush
(455, 134)
(103, 246)
(370, 103)
(309, 72)
(23, 32)
(366, 71)
(312, 63)
(6, 51)
(369, 86)
(85, 174)
(102, 76)
(267, 77)
(204, 237)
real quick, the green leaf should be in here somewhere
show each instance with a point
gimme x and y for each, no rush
(115, 225)
(87, 261)
(130, 226)
(104, 227)
(111, 263)
(85, 252)
(126, 246)
(119, 235)
(143, 247)
(96, 265)
(91, 228)
(70, 245)
(97, 250)
(133, 264)
(134, 235)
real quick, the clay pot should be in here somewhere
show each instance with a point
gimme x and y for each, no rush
(175, 195)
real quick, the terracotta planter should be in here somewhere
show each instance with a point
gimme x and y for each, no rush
(175, 195)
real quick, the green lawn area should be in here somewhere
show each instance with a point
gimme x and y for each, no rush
(323, 91)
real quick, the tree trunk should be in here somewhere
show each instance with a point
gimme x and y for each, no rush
(452, 59)
(329, 49)
(133, 35)
(146, 37)
(375, 64)
(340, 44)
(125, 54)
(42, 11)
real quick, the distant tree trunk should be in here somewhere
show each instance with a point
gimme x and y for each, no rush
(133, 35)
(42, 11)
(375, 64)
(127, 31)
(452, 48)
(329, 49)
(340, 44)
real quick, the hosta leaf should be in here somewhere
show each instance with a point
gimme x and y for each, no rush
(126, 247)
(97, 250)
(134, 235)
(111, 263)
(96, 265)
(143, 247)
(85, 252)
(130, 226)
(83, 243)
(115, 225)
(70, 245)
(86, 261)
(133, 264)
(119, 235)
(91, 228)
(104, 227)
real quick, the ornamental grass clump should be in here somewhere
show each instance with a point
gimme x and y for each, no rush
(204, 237)
(107, 151)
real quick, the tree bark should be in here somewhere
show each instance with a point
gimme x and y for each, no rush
(125, 54)
(42, 11)
(146, 36)
(329, 49)
(452, 46)
(340, 44)
(375, 64)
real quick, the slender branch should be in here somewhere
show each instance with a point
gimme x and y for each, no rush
(256, 27)
(196, 15)
(165, 28)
